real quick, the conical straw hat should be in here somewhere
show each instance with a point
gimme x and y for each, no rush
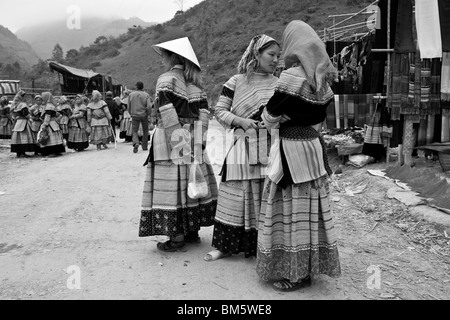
(181, 46)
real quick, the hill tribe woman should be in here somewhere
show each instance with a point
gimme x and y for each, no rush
(99, 117)
(22, 139)
(180, 102)
(241, 101)
(296, 236)
(54, 144)
(5, 119)
(65, 110)
(78, 138)
(37, 115)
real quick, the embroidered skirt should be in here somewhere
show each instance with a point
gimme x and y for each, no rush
(54, 145)
(101, 135)
(5, 129)
(167, 209)
(236, 222)
(78, 138)
(296, 235)
(23, 141)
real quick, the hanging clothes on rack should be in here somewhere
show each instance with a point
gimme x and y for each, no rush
(378, 132)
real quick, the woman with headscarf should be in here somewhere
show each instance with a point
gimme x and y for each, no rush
(37, 115)
(239, 108)
(78, 138)
(54, 144)
(65, 111)
(296, 235)
(6, 122)
(99, 118)
(181, 104)
(22, 139)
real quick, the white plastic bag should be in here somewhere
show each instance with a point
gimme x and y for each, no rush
(197, 186)
(274, 169)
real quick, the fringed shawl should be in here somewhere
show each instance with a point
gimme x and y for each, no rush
(302, 45)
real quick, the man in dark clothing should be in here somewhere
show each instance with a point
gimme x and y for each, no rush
(113, 109)
(139, 107)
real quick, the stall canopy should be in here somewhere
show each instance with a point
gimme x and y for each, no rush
(10, 87)
(74, 81)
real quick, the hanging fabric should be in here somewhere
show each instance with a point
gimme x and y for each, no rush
(428, 29)
(404, 40)
(444, 20)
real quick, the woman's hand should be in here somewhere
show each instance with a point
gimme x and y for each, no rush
(246, 123)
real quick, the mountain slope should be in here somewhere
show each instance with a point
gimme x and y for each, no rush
(14, 50)
(43, 38)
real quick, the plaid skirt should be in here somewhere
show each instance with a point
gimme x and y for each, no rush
(167, 209)
(101, 135)
(296, 235)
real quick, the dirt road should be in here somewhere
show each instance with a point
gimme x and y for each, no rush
(69, 230)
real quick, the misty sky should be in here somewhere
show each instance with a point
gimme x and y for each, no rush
(20, 13)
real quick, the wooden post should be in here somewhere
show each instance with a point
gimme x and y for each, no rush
(430, 129)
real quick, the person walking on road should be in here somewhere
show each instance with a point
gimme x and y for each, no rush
(99, 117)
(139, 106)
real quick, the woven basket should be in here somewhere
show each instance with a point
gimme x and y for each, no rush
(444, 160)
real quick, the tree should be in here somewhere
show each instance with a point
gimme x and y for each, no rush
(180, 4)
(100, 40)
(58, 54)
(71, 55)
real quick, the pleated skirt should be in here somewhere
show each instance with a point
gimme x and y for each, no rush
(236, 221)
(78, 138)
(101, 135)
(167, 209)
(23, 141)
(296, 234)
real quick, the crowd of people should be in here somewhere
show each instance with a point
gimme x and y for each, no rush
(276, 210)
(49, 124)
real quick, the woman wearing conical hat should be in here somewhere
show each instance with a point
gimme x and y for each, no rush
(296, 235)
(55, 144)
(78, 138)
(180, 105)
(22, 139)
(238, 108)
(5, 119)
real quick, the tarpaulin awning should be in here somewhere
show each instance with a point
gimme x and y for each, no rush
(9, 86)
(82, 73)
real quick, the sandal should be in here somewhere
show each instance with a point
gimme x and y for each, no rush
(170, 246)
(287, 286)
(215, 255)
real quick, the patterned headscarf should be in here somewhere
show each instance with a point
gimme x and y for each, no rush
(301, 44)
(96, 96)
(38, 96)
(248, 61)
(18, 101)
(47, 97)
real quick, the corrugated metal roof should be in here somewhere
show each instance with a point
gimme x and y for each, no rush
(83, 73)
